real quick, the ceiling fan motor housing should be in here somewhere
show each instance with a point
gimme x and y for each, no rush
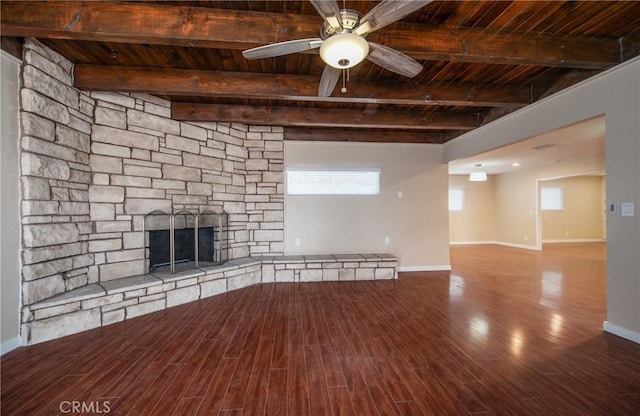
(350, 20)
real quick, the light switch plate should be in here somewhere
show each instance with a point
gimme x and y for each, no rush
(627, 209)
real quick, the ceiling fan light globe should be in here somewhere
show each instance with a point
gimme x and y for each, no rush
(344, 50)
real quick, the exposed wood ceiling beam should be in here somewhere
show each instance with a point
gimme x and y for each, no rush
(203, 27)
(560, 83)
(12, 45)
(631, 45)
(357, 135)
(179, 82)
(317, 117)
(496, 113)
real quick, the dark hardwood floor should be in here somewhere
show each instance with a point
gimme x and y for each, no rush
(507, 332)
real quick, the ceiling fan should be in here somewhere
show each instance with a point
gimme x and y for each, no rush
(342, 41)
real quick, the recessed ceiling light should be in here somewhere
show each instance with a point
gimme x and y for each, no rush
(515, 164)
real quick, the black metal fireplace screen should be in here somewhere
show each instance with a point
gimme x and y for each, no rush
(184, 240)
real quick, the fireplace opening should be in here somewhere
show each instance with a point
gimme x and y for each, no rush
(171, 243)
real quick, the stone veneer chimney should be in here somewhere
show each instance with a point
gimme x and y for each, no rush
(94, 163)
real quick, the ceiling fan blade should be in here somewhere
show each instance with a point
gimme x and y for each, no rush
(282, 48)
(386, 13)
(329, 80)
(393, 60)
(329, 11)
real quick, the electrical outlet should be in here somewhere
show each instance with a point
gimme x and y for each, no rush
(399, 194)
(297, 242)
(526, 238)
(387, 240)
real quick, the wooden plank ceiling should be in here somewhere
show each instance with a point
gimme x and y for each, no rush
(481, 59)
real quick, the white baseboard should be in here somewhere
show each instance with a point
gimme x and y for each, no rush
(498, 243)
(514, 245)
(576, 240)
(621, 332)
(9, 345)
(424, 268)
(471, 243)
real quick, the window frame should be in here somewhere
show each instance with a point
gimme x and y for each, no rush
(335, 189)
(557, 204)
(462, 190)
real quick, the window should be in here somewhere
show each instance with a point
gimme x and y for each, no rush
(456, 199)
(333, 181)
(551, 199)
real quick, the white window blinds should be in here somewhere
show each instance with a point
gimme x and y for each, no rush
(333, 181)
(456, 199)
(551, 199)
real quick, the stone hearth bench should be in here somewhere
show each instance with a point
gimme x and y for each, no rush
(104, 303)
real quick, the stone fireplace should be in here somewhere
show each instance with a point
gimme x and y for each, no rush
(95, 163)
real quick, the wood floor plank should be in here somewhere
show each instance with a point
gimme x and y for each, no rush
(341, 403)
(186, 407)
(42, 402)
(409, 409)
(279, 358)
(255, 402)
(506, 332)
(360, 394)
(383, 358)
(445, 373)
(377, 386)
(214, 396)
(145, 370)
(447, 401)
(277, 393)
(93, 382)
(154, 394)
(239, 385)
(318, 395)
(183, 379)
(202, 379)
(297, 383)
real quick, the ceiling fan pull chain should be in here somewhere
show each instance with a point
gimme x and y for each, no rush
(344, 83)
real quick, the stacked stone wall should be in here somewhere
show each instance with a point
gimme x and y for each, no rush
(55, 146)
(94, 163)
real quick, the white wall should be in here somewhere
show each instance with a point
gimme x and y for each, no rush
(417, 223)
(505, 209)
(580, 219)
(9, 204)
(616, 94)
(518, 215)
(476, 223)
